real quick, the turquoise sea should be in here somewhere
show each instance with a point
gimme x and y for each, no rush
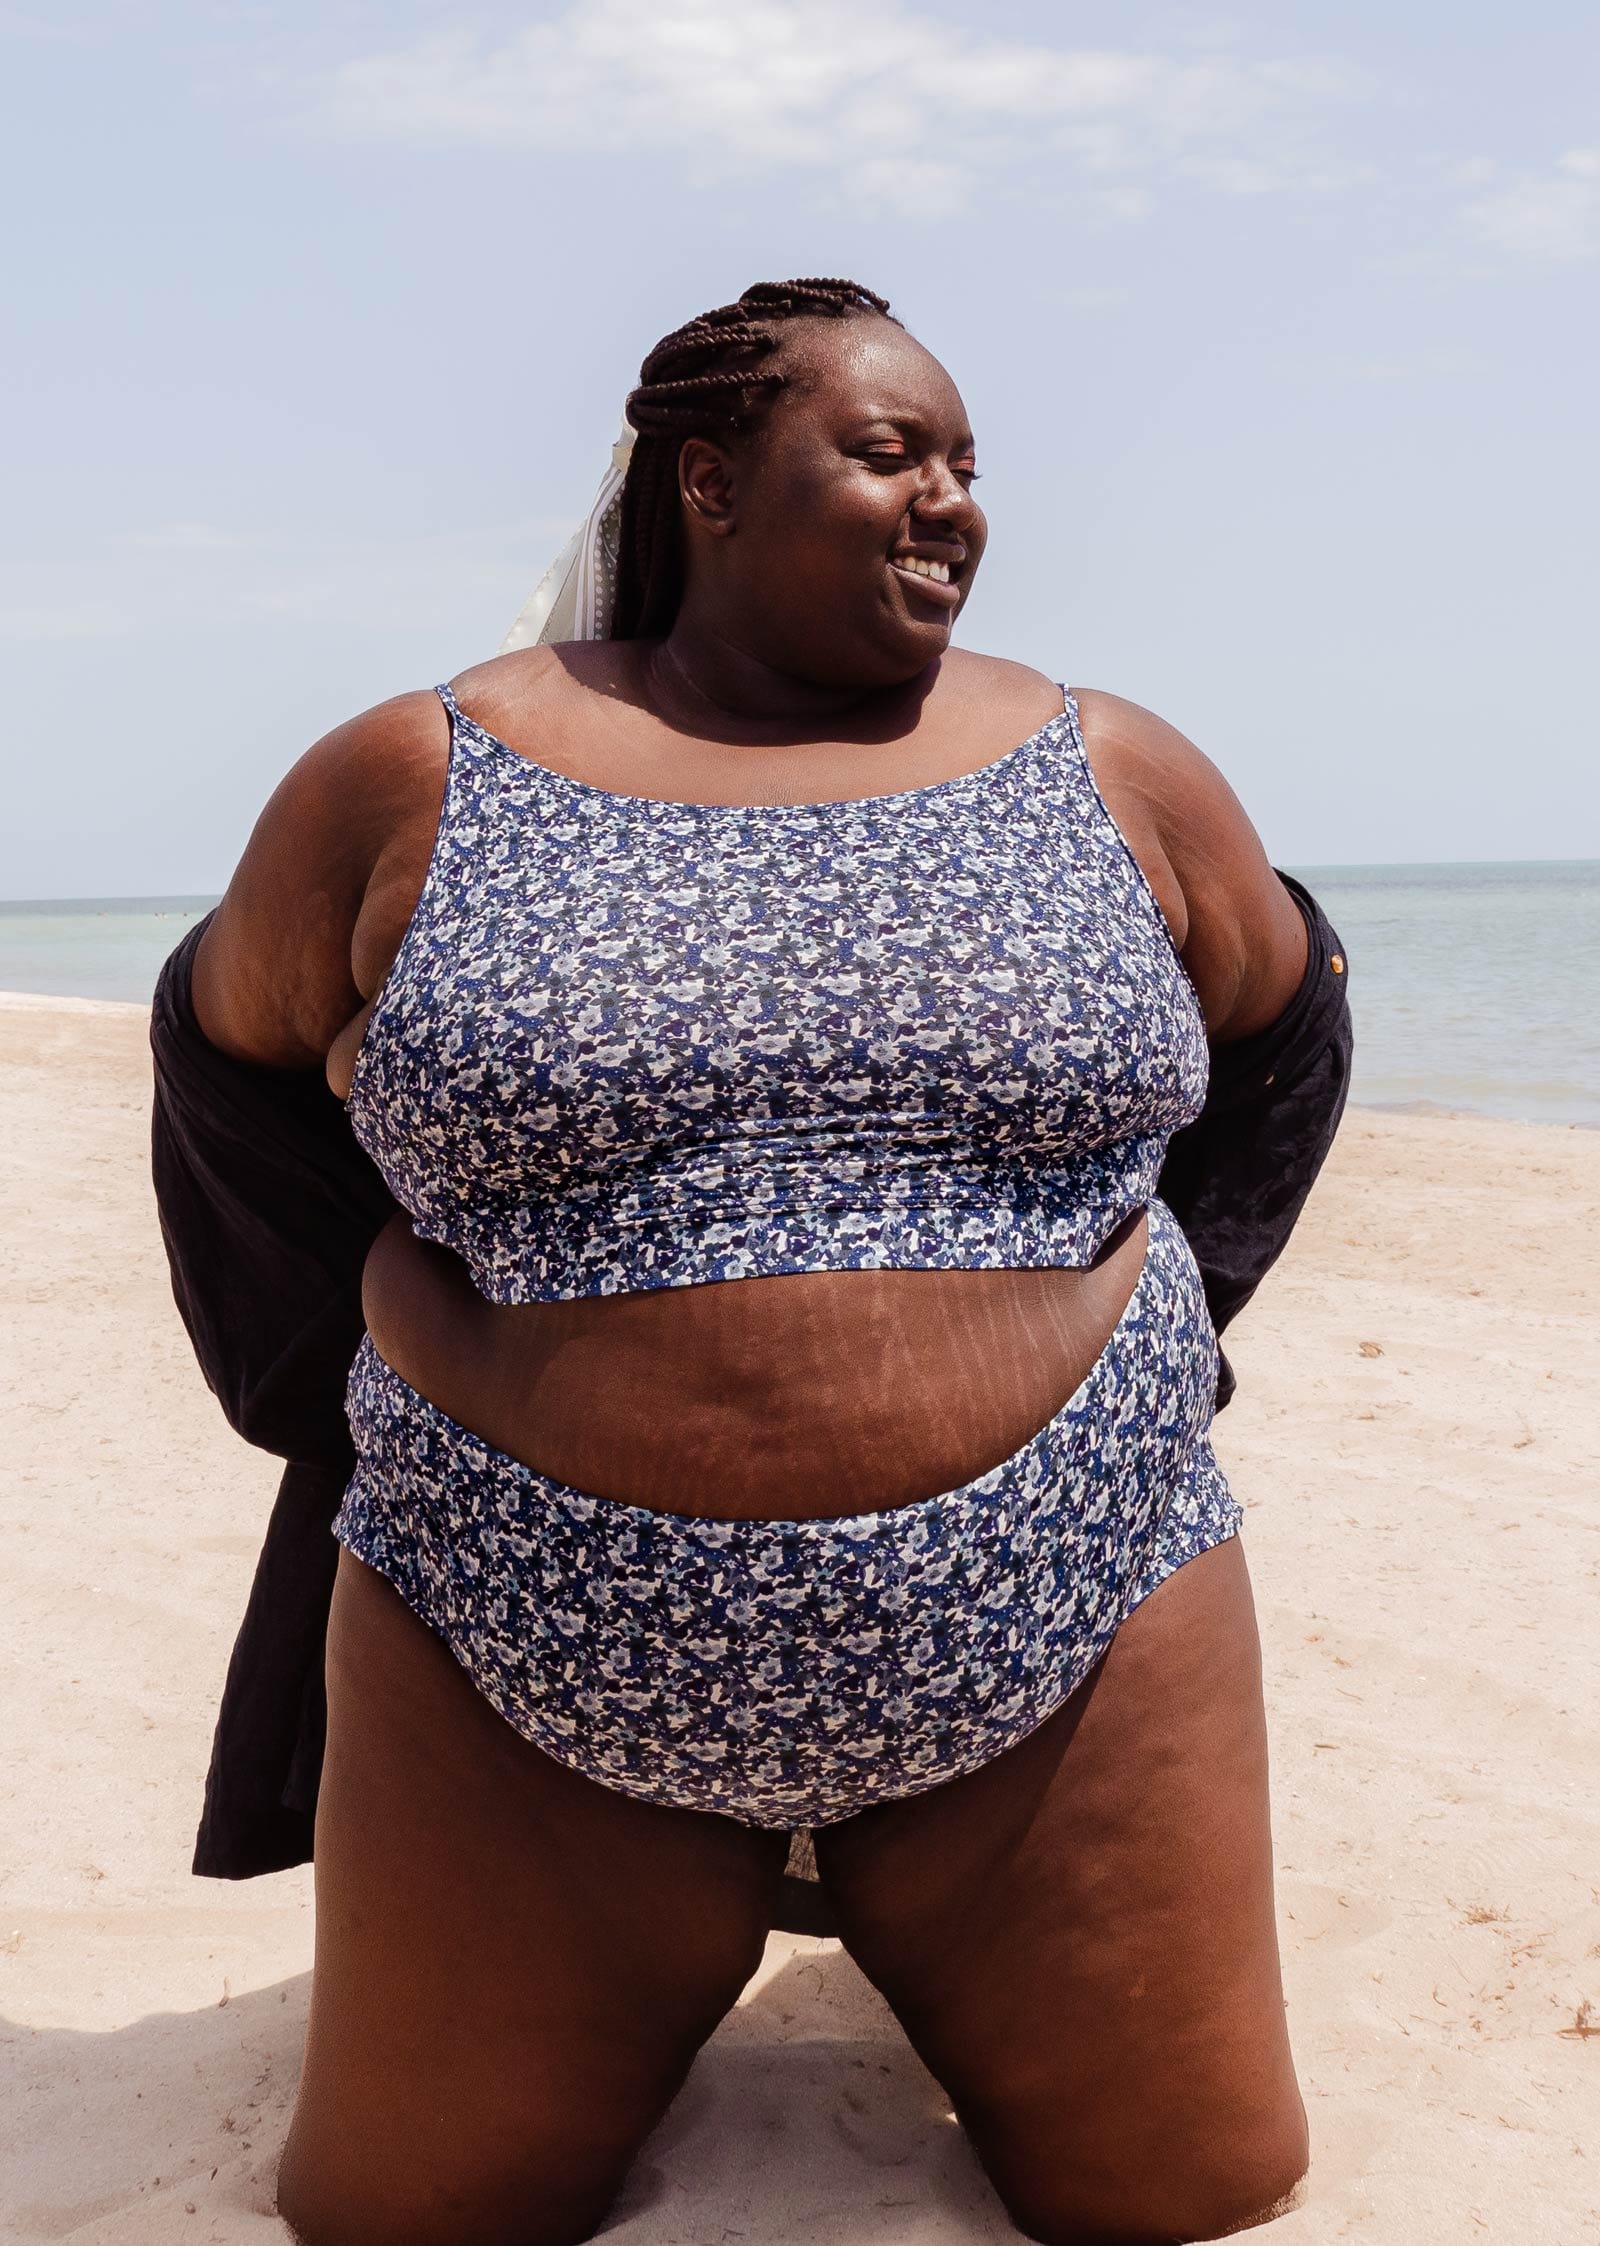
(1474, 987)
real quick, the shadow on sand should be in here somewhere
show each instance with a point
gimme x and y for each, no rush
(806, 2118)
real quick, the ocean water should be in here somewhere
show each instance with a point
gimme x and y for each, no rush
(92, 947)
(1474, 987)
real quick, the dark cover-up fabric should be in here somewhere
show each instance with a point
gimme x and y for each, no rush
(1238, 1177)
(268, 1207)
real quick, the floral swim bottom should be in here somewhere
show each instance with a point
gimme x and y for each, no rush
(790, 1673)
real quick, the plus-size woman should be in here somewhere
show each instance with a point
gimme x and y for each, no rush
(785, 1402)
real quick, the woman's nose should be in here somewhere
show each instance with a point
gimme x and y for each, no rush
(944, 499)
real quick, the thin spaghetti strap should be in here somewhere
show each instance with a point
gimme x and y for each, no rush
(451, 706)
(1102, 811)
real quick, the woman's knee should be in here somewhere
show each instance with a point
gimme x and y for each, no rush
(1236, 2184)
(320, 2208)
(468, 2167)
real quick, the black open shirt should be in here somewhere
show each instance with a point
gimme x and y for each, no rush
(268, 1207)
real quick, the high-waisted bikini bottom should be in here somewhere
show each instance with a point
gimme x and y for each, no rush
(790, 1673)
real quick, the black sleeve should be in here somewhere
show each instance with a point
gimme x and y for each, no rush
(267, 1207)
(1238, 1176)
(266, 1753)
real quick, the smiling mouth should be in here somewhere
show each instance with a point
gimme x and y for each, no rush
(930, 579)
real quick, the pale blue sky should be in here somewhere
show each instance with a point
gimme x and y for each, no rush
(1278, 327)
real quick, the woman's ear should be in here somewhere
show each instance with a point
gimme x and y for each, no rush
(705, 484)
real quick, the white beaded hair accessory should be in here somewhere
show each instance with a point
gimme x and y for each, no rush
(575, 596)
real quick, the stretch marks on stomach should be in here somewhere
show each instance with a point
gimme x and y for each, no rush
(803, 1396)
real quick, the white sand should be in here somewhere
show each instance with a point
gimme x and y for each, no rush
(1425, 1533)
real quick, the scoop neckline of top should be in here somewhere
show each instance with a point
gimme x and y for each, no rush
(825, 803)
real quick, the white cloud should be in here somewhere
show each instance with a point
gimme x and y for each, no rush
(900, 107)
(1553, 215)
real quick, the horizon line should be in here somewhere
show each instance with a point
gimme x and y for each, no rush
(209, 897)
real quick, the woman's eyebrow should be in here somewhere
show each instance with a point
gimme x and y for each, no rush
(915, 425)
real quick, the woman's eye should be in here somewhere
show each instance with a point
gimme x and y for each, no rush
(879, 457)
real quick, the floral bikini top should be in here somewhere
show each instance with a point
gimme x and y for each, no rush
(631, 1044)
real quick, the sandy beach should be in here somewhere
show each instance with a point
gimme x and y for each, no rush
(1414, 1440)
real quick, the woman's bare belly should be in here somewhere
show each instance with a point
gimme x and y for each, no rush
(799, 1397)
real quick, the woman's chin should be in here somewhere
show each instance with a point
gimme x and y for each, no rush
(911, 642)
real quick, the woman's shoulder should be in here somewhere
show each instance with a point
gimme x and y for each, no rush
(1009, 698)
(272, 977)
(970, 664)
(508, 694)
(1240, 932)
(338, 793)
(353, 795)
(1128, 745)
(1147, 758)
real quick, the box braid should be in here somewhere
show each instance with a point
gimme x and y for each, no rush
(706, 379)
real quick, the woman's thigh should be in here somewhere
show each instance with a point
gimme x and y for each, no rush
(1079, 1938)
(514, 1966)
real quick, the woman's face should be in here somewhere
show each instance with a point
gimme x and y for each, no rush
(839, 542)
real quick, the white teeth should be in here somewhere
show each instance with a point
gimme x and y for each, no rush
(938, 571)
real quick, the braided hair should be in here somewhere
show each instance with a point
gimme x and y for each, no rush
(707, 379)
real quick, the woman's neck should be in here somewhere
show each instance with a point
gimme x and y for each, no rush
(702, 681)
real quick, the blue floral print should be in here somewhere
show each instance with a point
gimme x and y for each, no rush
(634, 1044)
(631, 1044)
(790, 1673)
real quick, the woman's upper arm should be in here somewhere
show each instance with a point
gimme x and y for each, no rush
(1236, 925)
(273, 980)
